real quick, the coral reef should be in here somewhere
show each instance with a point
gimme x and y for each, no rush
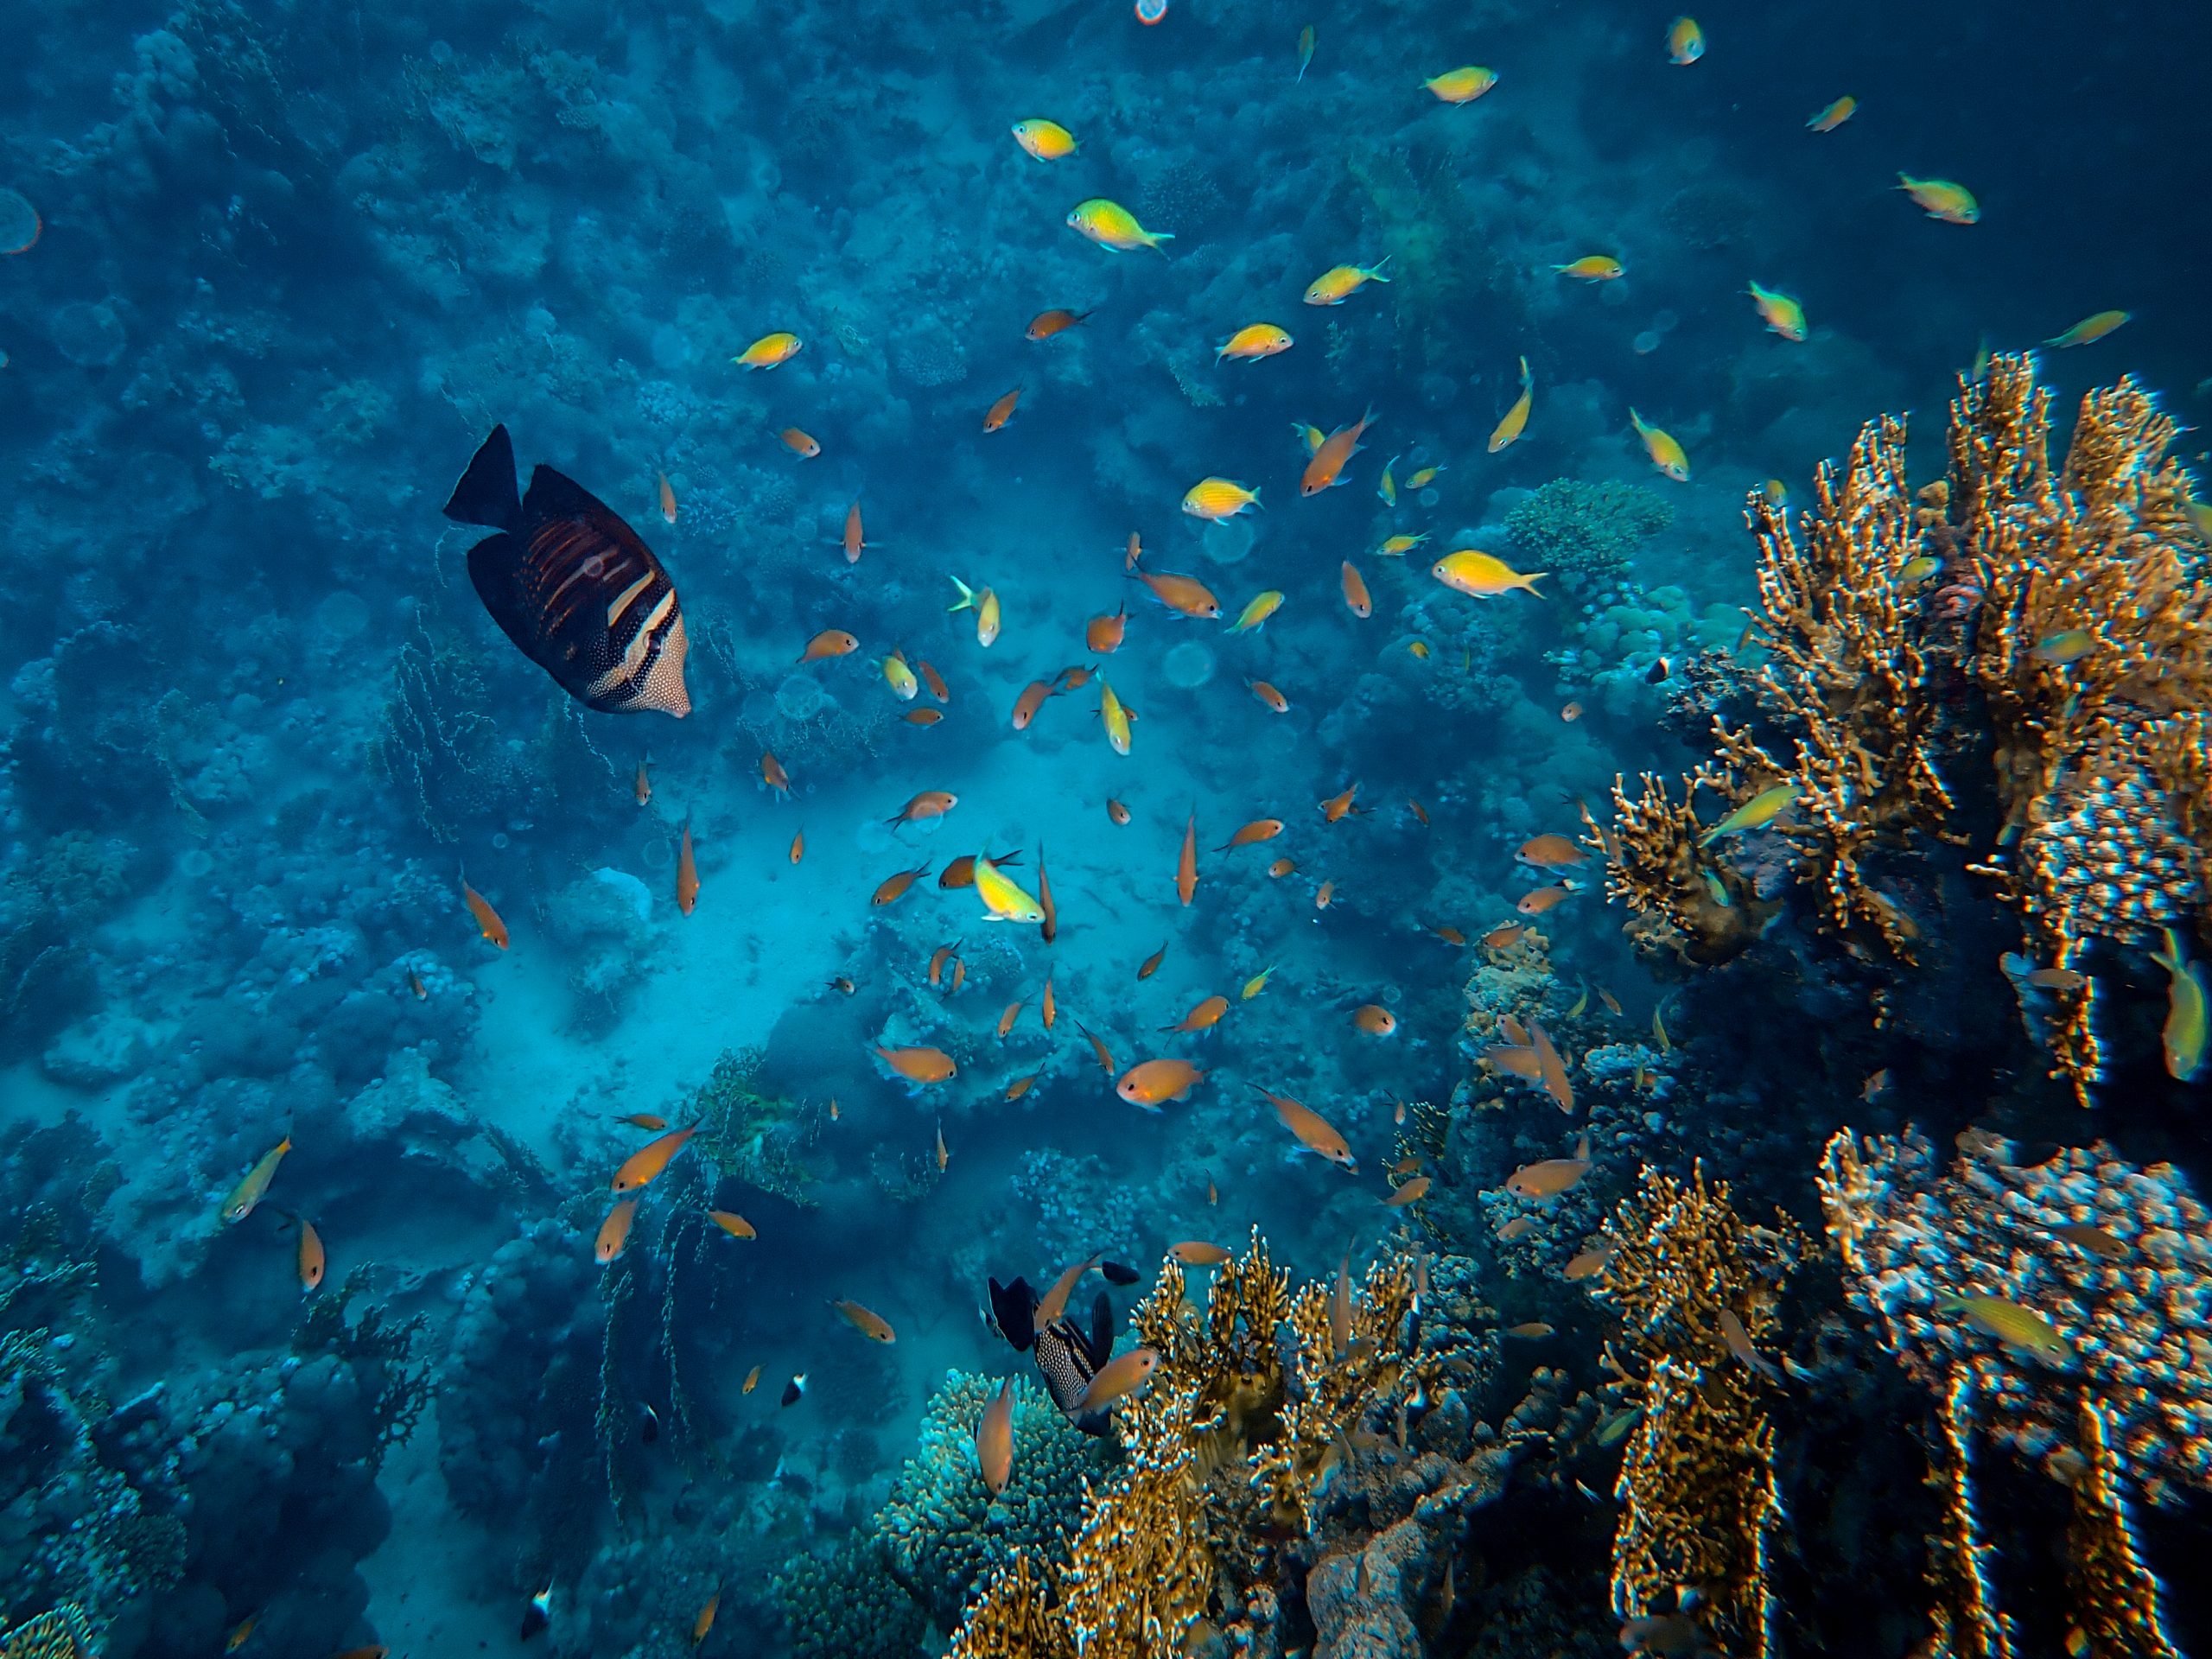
(1580, 530)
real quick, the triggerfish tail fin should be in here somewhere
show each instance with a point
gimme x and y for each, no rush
(488, 493)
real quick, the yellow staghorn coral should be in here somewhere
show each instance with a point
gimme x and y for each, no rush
(1698, 1503)
(59, 1633)
(1689, 903)
(1224, 1449)
(2116, 1600)
(1964, 1611)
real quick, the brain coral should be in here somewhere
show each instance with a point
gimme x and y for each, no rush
(1577, 528)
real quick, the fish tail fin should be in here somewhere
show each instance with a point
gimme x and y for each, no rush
(1256, 502)
(1375, 273)
(488, 493)
(1527, 379)
(2170, 957)
(1530, 580)
(1154, 239)
(967, 595)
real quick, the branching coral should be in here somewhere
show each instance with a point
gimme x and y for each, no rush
(1697, 1487)
(2082, 681)
(59, 1633)
(1686, 902)
(745, 1132)
(1224, 1451)
(1578, 530)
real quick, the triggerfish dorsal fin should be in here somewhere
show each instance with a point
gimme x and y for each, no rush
(1101, 1341)
(1014, 1308)
(485, 495)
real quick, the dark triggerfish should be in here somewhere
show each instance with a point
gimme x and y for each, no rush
(573, 585)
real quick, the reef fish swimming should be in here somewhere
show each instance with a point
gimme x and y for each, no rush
(576, 589)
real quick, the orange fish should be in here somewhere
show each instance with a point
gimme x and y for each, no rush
(1150, 965)
(922, 716)
(312, 1259)
(1412, 1192)
(894, 885)
(1551, 1070)
(1420, 811)
(1048, 1009)
(1537, 900)
(1204, 1017)
(1529, 1331)
(1030, 700)
(1197, 1252)
(944, 1156)
(1498, 937)
(1268, 695)
(871, 1324)
(1073, 679)
(830, 642)
(667, 499)
(1313, 1131)
(1187, 595)
(1519, 1227)
(772, 772)
(752, 1381)
(733, 1224)
(995, 1430)
(1149, 1083)
(487, 919)
(614, 1232)
(644, 786)
(644, 1121)
(1134, 552)
(1258, 829)
(1375, 1020)
(917, 1064)
(1571, 713)
(1103, 634)
(1013, 1013)
(842, 985)
(1283, 867)
(415, 984)
(1339, 806)
(802, 444)
(687, 874)
(1116, 811)
(852, 540)
(1325, 895)
(798, 846)
(928, 804)
(648, 1161)
(1451, 936)
(1001, 412)
(942, 955)
(705, 1621)
(1355, 591)
(1589, 1263)
(961, 872)
(1050, 927)
(1547, 1179)
(1326, 467)
(1186, 867)
(1124, 1375)
(1021, 1086)
(1097, 1047)
(1046, 324)
(932, 679)
(1550, 852)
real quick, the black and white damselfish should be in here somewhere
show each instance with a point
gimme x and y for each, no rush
(573, 585)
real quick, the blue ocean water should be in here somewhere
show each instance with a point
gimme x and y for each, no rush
(276, 272)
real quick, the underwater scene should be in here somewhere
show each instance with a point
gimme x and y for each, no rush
(1061, 829)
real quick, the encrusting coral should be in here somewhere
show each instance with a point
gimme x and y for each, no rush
(2060, 1309)
(2041, 626)
(1700, 1502)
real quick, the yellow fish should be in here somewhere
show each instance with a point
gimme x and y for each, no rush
(2184, 1034)
(1312, 436)
(1423, 479)
(1461, 86)
(1685, 41)
(247, 1193)
(1048, 141)
(1116, 717)
(1257, 983)
(1387, 485)
(1783, 315)
(1335, 285)
(1482, 575)
(1918, 569)
(1834, 115)
(1305, 50)
(985, 606)
(768, 351)
(1253, 341)
(1594, 268)
(1115, 227)
(2010, 1322)
(1217, 499)
(899, 677)
(1667, 455)
(1941, 199)
(1003, 901)
(1509, 430)
(1262, 606)
(1755, 814)
(2089, 329)
(1398, 546)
